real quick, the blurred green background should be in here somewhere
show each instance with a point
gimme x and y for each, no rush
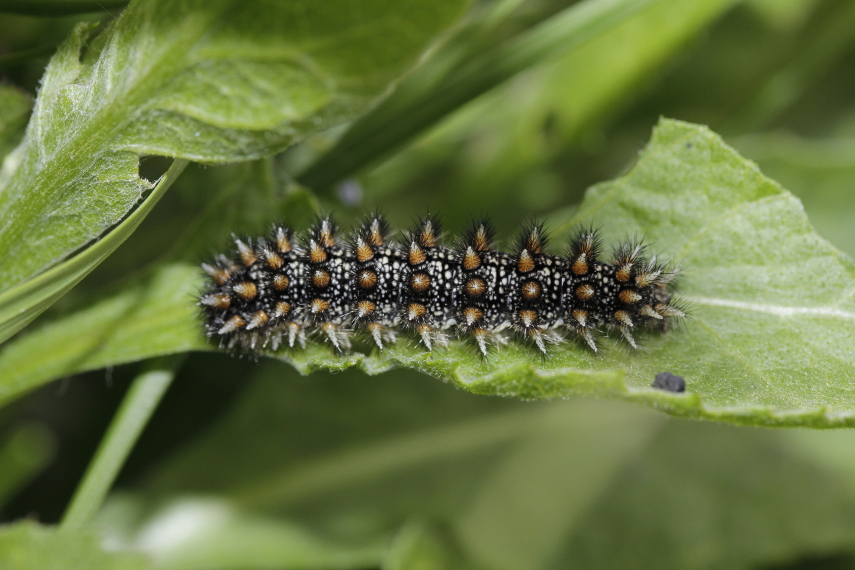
(248, 465)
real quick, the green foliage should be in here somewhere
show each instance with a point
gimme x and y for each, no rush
(524, 484)
(26, 452)
(221, 82)
(818, 171)
(28, 546)
(23, 303)
(762, 339)
(567, 93)
(158, 132)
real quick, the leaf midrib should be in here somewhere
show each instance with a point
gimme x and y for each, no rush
(777, 310)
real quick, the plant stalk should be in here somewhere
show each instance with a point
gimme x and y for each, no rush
(136, 409)
(412, 108)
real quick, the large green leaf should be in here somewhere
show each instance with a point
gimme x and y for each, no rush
(771, 328)
(23, 303)
(709, 496)
(156, 312)
(521, 485)
(155, 300)
(28, 546)
(209, 81)
(817, 170)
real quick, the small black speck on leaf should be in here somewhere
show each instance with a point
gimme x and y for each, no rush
(669, 382)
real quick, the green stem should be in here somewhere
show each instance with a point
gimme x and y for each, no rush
(414, 107)
(137, 407)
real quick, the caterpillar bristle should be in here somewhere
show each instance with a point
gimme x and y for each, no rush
(283, 238)
(280, 290)
(427, 232)
(480, 235)
(246, 252)
(533, 239)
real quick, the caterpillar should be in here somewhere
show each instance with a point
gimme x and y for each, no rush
(283, 288)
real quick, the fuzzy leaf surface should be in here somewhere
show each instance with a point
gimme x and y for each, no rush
(20, 305)
(772, 310)
(203, 80)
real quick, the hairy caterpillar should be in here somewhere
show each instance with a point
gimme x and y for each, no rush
(279, 289)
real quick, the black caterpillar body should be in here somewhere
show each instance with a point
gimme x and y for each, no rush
(278, 290)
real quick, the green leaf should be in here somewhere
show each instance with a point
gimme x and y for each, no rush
(423, 100)
(217, 536)
(511, 526)
(28, 546)
(711, 496)
(771, 328)
(337, 432)
(159, 299)
(819, 171)
(519, 485)
(20, 305)
(157, 313)
(307, 443)
(209, 81)
(532, 120)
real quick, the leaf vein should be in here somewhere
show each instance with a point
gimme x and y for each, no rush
(777, 310)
